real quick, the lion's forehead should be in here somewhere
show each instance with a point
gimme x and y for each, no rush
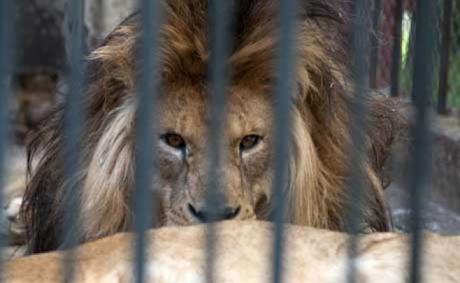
(187, 111)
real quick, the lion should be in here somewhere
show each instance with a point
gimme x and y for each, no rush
(244, 254)
(316, 191)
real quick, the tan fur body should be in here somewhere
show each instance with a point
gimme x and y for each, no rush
(244, 254)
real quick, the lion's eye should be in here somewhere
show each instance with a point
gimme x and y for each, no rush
(249, 142)
(174, 140)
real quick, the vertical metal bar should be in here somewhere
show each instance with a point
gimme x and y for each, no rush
(282, 131)
(5, 68)
(72, 133)
(145, 161)
(360, 71)
(422, 91)
(396, 62)
(219, 15)
(377, 9)
(445, 54)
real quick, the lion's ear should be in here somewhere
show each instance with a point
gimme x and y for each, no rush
(387, 126)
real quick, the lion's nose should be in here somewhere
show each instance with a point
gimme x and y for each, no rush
(210, 214)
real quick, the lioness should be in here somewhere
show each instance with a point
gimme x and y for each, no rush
(244, 254)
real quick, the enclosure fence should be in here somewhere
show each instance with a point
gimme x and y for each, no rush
(364, 70)
(393, 49)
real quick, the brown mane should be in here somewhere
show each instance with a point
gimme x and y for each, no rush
(318, 166)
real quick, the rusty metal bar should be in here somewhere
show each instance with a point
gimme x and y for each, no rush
(445, 55)
(396, 62)
(145, 161)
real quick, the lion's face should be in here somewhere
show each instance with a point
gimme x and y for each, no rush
(318, 166)
(183, 154)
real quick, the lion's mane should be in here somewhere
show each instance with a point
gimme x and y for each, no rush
(318, 167)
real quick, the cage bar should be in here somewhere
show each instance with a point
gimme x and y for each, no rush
(4, 99)
(219, 78)
(396, 61)
(423, 89)
(145, 133)
(219, 19)
(360, 46)
(73, 119)
(445, 56)
(282, 125)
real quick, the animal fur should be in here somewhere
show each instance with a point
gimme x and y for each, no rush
(244, 253)
(319, 161)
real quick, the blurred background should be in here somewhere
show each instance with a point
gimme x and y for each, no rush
(41, 29)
